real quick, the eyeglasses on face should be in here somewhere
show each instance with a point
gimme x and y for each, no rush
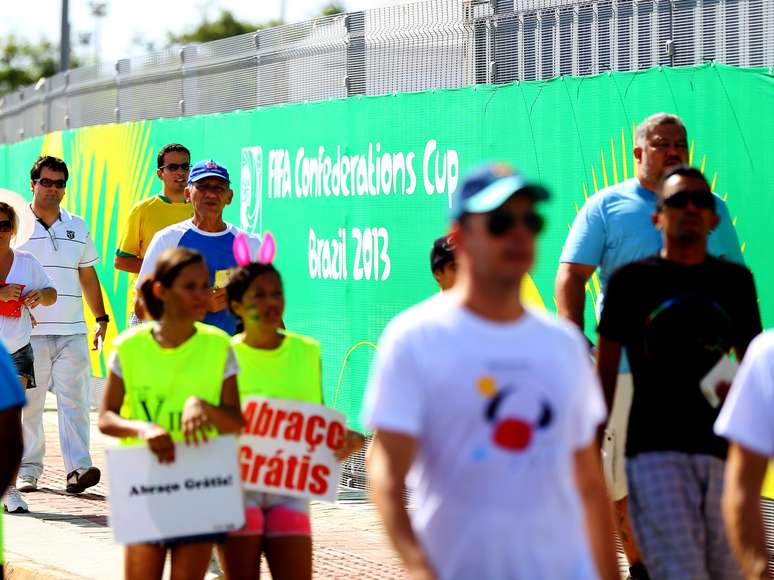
(177, 166)
(46, 182)
(700, 199)
(500, 222)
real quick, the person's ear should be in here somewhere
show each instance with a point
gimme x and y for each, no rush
(32, 186)
(158, 290)
(236, 307)
(187, 193)
(638, 153)
(437, 276)
(159, 173)
(655, 219)
(229, 196)
(714, 222)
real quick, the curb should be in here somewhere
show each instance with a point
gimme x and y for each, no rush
(22, 569)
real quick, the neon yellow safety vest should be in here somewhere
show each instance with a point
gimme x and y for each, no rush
(157, 381)
(291, 371)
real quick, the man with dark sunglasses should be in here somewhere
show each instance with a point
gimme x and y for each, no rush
(153, 214)
(678, 314)
(613, 228)
(494, 408)
(62, 243)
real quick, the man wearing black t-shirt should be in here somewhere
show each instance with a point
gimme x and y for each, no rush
(677, 314)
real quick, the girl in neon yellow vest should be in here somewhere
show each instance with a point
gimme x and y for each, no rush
(172, 380)
(273, 363)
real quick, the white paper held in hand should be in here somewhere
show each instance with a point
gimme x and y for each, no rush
(723, 372)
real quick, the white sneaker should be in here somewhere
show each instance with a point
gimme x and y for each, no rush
(27, 483)
(14, 503)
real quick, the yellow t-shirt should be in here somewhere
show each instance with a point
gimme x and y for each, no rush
(145, 219)
(291, 371)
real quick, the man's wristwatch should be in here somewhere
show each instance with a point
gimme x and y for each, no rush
(104, 318)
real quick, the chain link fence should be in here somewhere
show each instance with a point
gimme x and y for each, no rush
(408, 47)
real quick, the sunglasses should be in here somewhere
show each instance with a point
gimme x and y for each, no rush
(46, 182)
(176, 166)
(680, 200)
(6, 225)
(500, 222)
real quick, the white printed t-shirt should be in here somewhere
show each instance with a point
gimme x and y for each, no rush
(25, 269)
(62, 250)
(498, 410)
(747, 417)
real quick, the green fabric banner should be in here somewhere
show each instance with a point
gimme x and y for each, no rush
(355, 190)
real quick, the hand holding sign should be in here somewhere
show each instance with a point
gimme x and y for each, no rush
(196, 421)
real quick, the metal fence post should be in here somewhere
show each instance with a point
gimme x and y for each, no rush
(356, 53)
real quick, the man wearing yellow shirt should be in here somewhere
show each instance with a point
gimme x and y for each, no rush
(155, 213)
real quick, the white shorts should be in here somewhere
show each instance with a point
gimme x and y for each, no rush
(614, 445)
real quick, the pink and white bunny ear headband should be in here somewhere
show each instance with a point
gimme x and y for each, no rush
(265, 254)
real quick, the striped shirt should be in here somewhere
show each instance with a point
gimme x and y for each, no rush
(62, 249)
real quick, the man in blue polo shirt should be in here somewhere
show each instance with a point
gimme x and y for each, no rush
(12, 400)
(615, 228)
(209, 191)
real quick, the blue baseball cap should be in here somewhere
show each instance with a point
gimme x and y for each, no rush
(208, 168)
(488, 187)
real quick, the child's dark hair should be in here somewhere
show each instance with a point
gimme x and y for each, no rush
(168, 268)
(241, 280)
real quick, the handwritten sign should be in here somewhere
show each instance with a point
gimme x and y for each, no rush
(199, 493)
(288, 448)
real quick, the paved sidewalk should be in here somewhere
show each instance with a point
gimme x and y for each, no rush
(67, 537)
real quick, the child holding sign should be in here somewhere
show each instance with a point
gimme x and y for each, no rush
(278, 364)
(172, 380)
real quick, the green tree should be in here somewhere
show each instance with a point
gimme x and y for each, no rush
(224, 26)
(23, 63)
(331, 9)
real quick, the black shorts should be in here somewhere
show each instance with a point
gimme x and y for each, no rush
(25, 364)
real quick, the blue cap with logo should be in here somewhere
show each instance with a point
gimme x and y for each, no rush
(208, 168)
(486, 188)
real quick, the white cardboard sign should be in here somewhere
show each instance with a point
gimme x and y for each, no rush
(199, 493)
(287, 447)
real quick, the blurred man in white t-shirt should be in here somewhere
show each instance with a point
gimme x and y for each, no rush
(747, 421)
(493, 409)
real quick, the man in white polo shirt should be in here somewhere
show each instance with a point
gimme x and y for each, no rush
(63, 245)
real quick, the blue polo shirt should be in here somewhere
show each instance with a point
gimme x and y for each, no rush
(217, 249)
(615, 227)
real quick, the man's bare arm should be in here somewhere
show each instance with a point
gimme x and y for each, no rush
(598, 510)
(745, 470)
(389, 458)
(570, 290)
(129, 264)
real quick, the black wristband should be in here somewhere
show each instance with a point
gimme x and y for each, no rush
(103, 318)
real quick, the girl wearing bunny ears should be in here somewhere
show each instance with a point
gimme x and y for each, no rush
(273, 363)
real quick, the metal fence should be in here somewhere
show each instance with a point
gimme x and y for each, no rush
(409, 47)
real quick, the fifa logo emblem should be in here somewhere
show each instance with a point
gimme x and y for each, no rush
(251, 190)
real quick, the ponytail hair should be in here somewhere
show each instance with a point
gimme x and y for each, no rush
(168, 268)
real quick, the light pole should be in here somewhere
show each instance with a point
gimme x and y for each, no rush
(64, 38)
(98, 11)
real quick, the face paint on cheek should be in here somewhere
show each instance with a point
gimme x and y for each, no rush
(251, 313)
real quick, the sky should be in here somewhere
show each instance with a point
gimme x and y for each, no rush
(127, 20)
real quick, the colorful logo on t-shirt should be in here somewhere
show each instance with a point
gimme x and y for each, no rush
(511, 432)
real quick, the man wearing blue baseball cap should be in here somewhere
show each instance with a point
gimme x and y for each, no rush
(209, 192)
(494, 408)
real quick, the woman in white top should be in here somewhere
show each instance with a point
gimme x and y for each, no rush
(23, 286)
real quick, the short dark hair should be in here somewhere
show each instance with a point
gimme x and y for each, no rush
(171, 147)
(242, 278)
(683, 170)
(441, 254)
(168, 267)
(52, 163)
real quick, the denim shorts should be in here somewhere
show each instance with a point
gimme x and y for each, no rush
(24, 362)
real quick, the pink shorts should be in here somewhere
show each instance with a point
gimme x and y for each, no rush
(275, 516)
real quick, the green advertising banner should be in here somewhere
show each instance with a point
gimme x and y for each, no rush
(355, 190)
